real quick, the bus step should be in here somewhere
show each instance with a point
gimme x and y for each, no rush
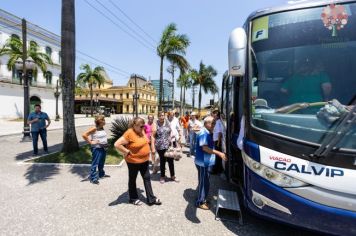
(228, 200)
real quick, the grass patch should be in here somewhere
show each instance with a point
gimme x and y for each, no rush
(83, 156)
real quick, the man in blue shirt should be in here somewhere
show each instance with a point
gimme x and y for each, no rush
(37, 120)
(205, 159)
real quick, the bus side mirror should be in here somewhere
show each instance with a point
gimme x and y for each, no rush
(237, 52)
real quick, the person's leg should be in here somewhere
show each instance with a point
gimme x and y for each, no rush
(171, 167)
(192, 142)
(102, 162)
(201, 186)
(43, 134)
(144, 171)
(94, 164)
(217, 168)
(35, 142)
(133, 171)
(162, 160)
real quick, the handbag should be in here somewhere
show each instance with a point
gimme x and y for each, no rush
(175, 153)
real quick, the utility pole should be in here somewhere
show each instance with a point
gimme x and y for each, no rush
(171, 69)
(136, 96)
(26, 108)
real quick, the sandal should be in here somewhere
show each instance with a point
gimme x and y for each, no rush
(162, 180)
(156, 202)
(136, 202)
(175, 179)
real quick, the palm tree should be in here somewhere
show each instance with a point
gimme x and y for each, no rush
(172, 47)
(90, 78)
(13, 48)
(70, 141)
(204, 78)
(184, 82)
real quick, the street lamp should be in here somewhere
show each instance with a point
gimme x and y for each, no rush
(57, 92)
(24, 66)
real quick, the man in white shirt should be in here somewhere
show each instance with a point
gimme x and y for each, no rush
(217, 137)
(175, 127)
(194, 126)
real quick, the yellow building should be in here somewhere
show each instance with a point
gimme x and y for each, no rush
(120, 99)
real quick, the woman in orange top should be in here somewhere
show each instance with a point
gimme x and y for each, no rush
(133, 144)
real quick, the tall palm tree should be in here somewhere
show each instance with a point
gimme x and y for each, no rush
(204, 79)
(70, 141)
(13, 48)
(185, 83)
(90, 78)
(172, 47)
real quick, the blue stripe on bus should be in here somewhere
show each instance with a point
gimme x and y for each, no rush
(252, 150)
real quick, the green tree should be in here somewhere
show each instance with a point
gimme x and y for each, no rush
(204, 79)
(13, 48)
(184, 82)
(70, 141)
(90, 78)
(172, 47)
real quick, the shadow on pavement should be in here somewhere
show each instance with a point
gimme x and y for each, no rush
(81, 171)
(36, 174)
(191, 210)
(124, 198)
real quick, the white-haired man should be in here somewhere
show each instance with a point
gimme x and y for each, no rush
(205, 159)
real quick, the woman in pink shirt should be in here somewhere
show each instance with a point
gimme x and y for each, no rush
(148, 131)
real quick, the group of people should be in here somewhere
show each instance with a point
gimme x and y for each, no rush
(143, 140)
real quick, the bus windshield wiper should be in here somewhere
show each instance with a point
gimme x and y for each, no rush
(342, 128)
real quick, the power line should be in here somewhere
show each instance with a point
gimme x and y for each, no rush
(117, 25)
(124, 23)
(132, 21)
(103, 62)
(113, 71)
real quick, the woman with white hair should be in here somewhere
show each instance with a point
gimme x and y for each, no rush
(194, 126)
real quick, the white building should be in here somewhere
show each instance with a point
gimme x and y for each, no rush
(42, 87)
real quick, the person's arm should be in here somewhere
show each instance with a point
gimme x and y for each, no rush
(119, 145)
(49, 121)
(86, 135)
(292, 107)
(153, 140)
(30, 120)
(212, 151)
(178, 127)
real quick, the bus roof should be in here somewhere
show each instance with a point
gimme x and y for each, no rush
(295, 4)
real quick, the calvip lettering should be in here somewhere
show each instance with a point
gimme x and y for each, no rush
(313, 170)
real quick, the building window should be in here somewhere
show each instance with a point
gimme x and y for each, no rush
(120, 95)
(113, 95)
(48, 77)
(127, 108)
(107, 95)
(127, 95)
(49, 51)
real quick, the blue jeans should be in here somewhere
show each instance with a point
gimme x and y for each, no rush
(43, 134)
(98, 161)
(203, 184)
(192, 141)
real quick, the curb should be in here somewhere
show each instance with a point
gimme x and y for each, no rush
(63, 164)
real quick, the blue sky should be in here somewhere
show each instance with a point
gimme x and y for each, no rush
(207, 24)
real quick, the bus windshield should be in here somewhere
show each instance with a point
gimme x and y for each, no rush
(303, 72)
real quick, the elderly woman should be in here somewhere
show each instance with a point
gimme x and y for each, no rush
(161, 140)
(135, 148)
(97, 138)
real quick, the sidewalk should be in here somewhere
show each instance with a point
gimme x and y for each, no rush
(8, 127)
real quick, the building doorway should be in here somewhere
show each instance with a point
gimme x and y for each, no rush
(33, 101)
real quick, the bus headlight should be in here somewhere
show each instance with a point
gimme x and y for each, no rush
(272, 175)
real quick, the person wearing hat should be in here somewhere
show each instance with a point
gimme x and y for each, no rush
(194, 126)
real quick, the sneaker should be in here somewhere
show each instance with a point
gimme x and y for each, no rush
(105, 176)
(94, 181)
(204, 206)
